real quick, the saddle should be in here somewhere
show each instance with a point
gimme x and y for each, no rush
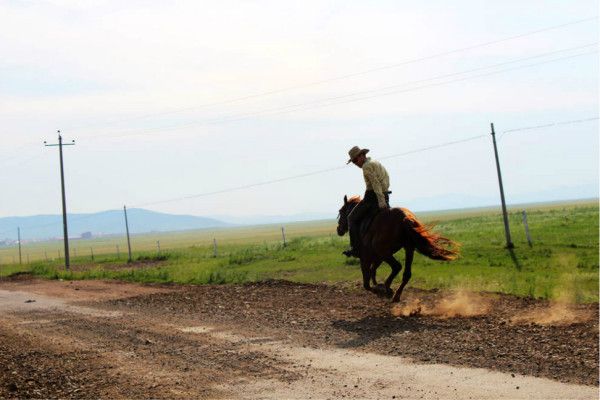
(365, 224)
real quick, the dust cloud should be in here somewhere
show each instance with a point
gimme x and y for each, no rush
(563, 310)
(458, 304)
(558, 313)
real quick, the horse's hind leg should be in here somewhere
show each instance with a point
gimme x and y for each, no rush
(374, 267)
(396, 267)
(410, 252)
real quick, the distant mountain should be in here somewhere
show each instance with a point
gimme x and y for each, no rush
(142, 221)
(102, 223)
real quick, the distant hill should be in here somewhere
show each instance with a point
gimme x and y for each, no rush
(102, 223)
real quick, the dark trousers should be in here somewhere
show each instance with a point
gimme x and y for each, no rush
(368, 205)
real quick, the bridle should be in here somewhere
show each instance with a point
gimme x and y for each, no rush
(342, 219)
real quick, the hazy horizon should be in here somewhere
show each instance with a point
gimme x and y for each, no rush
(172, 108)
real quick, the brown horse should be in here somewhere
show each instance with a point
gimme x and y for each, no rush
(391, 230)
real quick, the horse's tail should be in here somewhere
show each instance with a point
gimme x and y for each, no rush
(426, 242)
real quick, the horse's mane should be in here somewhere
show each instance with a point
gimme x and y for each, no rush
(354, 199)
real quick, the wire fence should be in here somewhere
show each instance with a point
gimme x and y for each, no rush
(115, 246)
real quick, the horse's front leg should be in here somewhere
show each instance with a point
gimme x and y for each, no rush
(410, 252)
(365, 266)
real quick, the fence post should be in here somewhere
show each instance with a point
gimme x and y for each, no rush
(92, 252)
(158, 246)
(127, 229)
(283, 236)
(214, 247)
(527, 229)
(19, 239)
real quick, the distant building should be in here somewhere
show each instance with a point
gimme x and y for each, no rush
(86, 235)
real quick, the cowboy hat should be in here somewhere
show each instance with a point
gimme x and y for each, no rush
(355, 152)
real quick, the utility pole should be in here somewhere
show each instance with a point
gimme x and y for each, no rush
(19, 239)
(509, 243)
(64, 201)
(127, 230)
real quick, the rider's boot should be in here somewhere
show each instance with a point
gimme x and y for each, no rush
(351, 252)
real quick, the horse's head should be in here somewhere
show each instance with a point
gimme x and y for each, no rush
(348, 206)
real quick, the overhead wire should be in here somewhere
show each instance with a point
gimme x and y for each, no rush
(388, 88)
(527, 128)
(386, 91)
(317, 172)
(342, 77)
(326, 170)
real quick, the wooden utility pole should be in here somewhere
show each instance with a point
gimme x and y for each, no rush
(127, 230)
(64, 201)
(509, 243)
(283, 236)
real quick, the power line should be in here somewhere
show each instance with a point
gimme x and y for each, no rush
(574, 121)
(322, 171)
(351, 75)
(388, 90)
(318, 172)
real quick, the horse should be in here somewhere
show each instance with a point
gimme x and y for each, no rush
(389, 231)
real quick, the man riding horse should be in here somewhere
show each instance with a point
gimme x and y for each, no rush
(376, 195)
(390, 229)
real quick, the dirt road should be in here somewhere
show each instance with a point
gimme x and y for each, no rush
(282, 340)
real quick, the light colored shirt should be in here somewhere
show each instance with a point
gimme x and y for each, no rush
(376, 179)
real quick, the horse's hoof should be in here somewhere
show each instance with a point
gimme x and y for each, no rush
(380, 290)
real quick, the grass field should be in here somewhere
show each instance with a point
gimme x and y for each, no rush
(562, 264)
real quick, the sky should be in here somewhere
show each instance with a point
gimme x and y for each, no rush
(169, 102)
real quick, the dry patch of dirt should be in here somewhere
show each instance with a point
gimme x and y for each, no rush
(278, 339)
(35, 367)
(87, 290)
(324, 315)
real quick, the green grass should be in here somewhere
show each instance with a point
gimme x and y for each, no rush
(562, 264)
